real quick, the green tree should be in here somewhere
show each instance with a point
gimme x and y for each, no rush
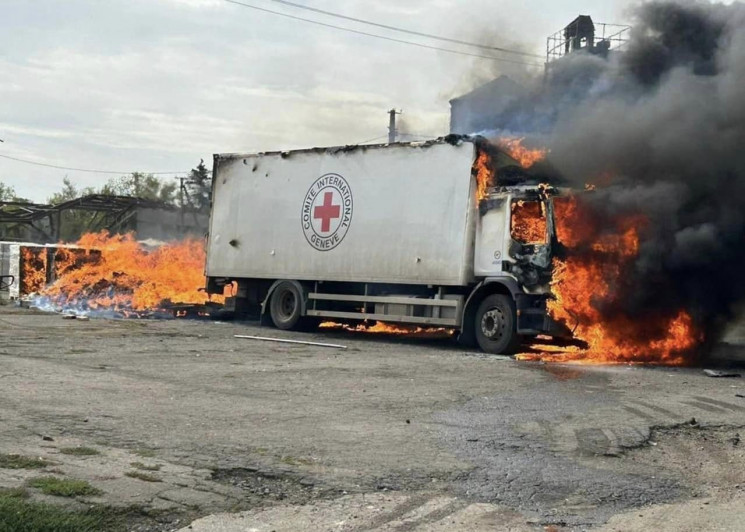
(69, 192)
(140, 185)
(199, 187)
(11, 230)
(7, 193)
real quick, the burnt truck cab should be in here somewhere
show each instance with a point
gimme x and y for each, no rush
(514, 248)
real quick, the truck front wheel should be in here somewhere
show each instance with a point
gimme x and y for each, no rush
(285, 306)
(496, 325)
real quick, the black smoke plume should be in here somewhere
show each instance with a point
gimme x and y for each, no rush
(660, 127)
(666, 120)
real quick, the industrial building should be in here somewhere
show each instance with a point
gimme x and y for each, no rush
(515, 107)
(147, 219)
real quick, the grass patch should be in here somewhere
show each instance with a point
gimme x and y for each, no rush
(14, 493)
(17, 461)
(143, 476)
(79, 451)
(144, 453)
(63, 487)
(19, 515)
(145, 467)
(292, 460)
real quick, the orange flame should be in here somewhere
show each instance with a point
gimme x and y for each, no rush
(483, 168)
(529, 222)
(591, 279)
(485, 178)
(116, 272)
(385, 328)
(525, 156)
(33, 270)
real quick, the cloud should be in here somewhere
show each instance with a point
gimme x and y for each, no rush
(159, 84)
(195, 4)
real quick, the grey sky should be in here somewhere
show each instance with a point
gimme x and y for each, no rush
(155, 85)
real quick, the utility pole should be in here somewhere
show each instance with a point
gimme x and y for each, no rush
(392, 132)
(181, 201)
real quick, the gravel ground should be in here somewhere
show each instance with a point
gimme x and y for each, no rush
(389, 434)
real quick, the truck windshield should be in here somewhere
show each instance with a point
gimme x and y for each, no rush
(529, 222)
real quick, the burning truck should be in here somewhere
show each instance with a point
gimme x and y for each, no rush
(420, 234)
(460, 234)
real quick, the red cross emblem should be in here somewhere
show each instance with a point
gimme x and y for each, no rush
(327, 212)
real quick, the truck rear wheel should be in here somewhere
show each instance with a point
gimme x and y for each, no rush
(285, 306)
(496, 325)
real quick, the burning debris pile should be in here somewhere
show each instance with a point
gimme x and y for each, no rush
(116, 275)
(649, 262)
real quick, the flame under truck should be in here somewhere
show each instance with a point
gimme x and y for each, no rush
(391, 233)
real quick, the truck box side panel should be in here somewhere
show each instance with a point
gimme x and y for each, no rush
(410, 209)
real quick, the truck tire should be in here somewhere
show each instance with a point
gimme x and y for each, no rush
(496, 325)
(467, 336)
(286, 307)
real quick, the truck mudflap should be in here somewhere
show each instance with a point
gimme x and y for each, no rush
(533, 318)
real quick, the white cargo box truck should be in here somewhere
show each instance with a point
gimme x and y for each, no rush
(392, 233)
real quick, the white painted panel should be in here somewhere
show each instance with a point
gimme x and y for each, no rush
(412, 211)
(493, 239)
(15, 270)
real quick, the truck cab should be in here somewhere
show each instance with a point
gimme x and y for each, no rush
(513, 262)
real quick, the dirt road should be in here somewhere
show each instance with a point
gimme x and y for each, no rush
(181, 420)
